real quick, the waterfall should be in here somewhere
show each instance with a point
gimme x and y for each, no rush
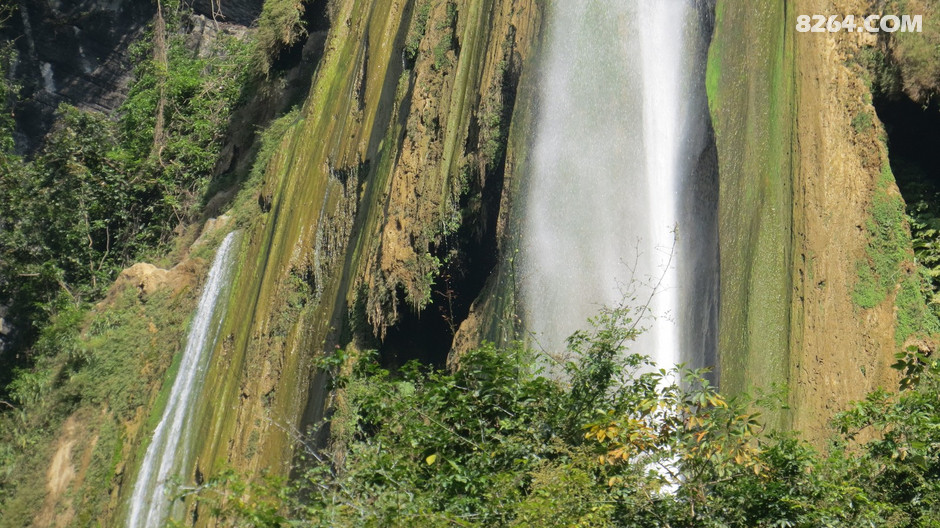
(169, 451)
(621, 125)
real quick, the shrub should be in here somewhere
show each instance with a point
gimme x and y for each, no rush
(619, 443)
(102, 191)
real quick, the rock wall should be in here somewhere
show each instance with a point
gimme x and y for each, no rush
(801, 177)
(374, 194)
(73, 51)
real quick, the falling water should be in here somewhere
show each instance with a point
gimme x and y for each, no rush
(169, 450)
(622, 125)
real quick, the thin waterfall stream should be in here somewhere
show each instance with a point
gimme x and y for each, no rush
(621, 128)
(171, 446)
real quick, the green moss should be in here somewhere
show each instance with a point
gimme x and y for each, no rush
(862, 121)
(751, 65)
(888, 245)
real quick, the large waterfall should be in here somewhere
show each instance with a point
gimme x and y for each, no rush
(169, 450)
(610, 210)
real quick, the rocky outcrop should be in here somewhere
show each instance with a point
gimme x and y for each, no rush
(73, 51)
(365, 200)
(78, 52)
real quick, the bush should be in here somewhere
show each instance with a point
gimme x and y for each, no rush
(619, 443)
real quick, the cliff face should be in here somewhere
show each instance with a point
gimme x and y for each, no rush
(72, 51)
(386, 210)
(816, 258)
(841, 346)
(378, 190)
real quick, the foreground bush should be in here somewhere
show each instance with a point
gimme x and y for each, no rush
(617, 443)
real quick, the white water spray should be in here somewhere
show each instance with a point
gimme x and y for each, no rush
(169, 450)
(620, 126)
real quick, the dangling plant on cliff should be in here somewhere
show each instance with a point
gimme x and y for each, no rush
(280, 25)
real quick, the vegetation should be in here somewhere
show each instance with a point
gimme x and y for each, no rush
(618, 444)
(102, 191)
(419, 25)
(446, 43)
(887, 246)
(862, 121)
(917, 54)
(99, 366)
(96, 369)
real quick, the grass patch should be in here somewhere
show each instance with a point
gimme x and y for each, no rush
(862, 122)
(99, 367)
(888, 245)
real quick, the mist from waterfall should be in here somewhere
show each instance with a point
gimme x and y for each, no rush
(171, 447)
(608, 216)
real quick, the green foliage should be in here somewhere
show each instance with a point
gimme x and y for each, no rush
(862, 121)
(883, 77)
(887, 246)
(618, 444)
(197, 95)
(925, 230)
(8, 91)
(97, 368)
(426, 268)
(71, 217)
(899, 463)
(913, 314)
(917, 54)
(446, 43)
(419, 26)
(102, 191)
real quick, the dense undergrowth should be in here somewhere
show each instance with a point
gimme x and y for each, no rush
(105, 190)
(618, 444)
